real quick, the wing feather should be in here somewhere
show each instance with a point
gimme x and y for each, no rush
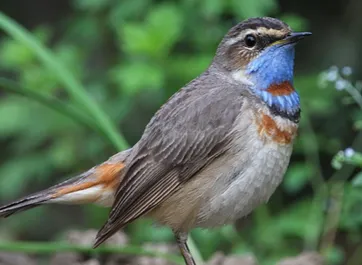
(185, 135)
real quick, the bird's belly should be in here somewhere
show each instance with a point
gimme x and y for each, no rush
(230, 188)
(248, 184)
(238, 181)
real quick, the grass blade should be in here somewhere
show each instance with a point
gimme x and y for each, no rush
(73, 87)
(52, 103)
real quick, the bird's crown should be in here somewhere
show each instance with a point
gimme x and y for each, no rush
(260, 52)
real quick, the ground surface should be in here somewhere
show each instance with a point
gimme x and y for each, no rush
(86, 238)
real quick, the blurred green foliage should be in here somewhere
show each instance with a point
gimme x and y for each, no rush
(131, 56)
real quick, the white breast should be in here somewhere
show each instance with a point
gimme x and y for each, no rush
(255, 169)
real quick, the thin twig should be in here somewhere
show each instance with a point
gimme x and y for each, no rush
(311, 239)
(334, 209)
(335, 200)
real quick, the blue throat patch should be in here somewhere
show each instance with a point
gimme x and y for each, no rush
(274, 67)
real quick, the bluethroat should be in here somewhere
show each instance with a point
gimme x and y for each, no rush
(216, 150)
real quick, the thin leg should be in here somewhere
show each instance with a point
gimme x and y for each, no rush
(181, 239)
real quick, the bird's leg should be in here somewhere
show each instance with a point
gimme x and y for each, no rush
(181, 239)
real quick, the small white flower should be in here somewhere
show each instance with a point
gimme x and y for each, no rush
(341, 84)
(349, 152)
(331, 75)
(346, 71)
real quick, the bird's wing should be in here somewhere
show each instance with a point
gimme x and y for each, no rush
(185, 135)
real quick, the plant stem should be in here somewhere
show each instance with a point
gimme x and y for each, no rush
(355, 94)
(311, 238)
(74, 88)
(195, 251)
(49, 248)
(335, 202)
(336, 193)
(52, 103)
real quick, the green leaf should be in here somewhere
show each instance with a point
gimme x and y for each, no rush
(187, 67)
(15, 174)
(136, 76)
(70, 56)
(351, 217)
(127, 10)
(14, 116)
(17, 55)
(212, 8)
(292, 222)
(165, 24)
(207, 240)
(246, 8)
(297, 177)
(49, 102)
(40, 79)
(357, 180)
(335, 255)
(157, 36)
(14, 54)
(356, 159)
(86, 30)
(62, 153)
(241, 248)
(135, 38)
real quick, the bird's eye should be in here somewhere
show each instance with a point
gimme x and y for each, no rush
(250, 40)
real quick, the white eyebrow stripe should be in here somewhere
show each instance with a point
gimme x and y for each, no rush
(274, 32)
(259, 31)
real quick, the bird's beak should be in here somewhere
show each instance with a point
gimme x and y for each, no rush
(292, 38)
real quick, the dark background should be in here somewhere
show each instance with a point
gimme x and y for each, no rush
(130, 56)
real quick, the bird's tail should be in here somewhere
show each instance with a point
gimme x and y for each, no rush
(97, 185)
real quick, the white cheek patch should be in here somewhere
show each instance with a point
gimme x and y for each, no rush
(241, 77)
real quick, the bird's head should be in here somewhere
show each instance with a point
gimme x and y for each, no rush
(260, 52)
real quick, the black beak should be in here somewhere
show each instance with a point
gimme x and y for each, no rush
(295, 36)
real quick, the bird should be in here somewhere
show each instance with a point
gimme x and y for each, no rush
(217, 149)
